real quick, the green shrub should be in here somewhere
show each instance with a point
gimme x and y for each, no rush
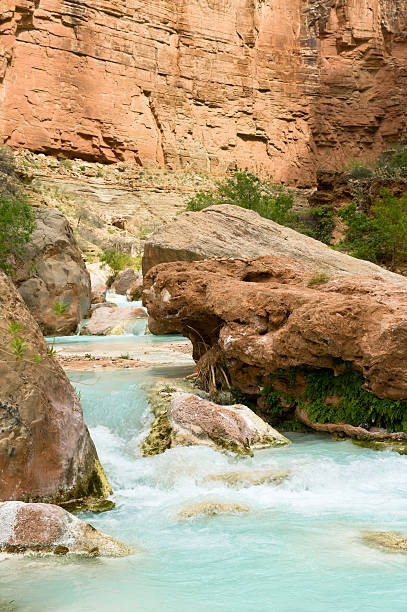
(394, 161)
(247, 190)
(17, 222)
(118, 261)
(318, 223)
(381, 237)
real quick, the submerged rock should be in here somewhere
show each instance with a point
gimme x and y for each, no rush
(250, 478)
(107, 320)
(191, 420)
(46, 452)
(389, 541)
(46, 528)
(210, 508)
(52, 277)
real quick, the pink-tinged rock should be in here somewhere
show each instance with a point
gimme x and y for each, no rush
(106, 320)
(46, 452)
(46, 528)
(194, 420)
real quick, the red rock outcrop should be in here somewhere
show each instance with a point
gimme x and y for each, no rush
(286, 85)
(254, 317)
(46, 453)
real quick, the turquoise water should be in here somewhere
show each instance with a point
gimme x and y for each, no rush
(298, 549)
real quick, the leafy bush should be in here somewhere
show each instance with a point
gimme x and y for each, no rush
(318, 223)
(382, 237)
(394, 161)
(247, 190)
(17, 220)
(118, 261)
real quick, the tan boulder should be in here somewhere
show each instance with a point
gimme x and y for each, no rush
(46, 453)
(211, 508)
(52, 276)
(238, 233)
(387, 541)
(111, 320)
(46, 528)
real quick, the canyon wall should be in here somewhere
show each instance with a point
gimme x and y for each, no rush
(284, 85)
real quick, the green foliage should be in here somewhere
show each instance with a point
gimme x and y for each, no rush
(319, 278)
(394, 161)
(353, 406)
(247, 190)
(382, 237)
(17, 343)
(51, 351)
(118, 261)
(320, 223)
(60, 308)
(16, 216)
(125, 356)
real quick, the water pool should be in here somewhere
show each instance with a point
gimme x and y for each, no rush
(298, 549)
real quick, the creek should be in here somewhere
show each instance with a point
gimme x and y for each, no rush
(298, 548)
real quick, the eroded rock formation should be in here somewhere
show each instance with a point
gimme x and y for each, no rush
(249, 320)
(46, 528)
(231, 231)
(285, 84)
(46, 453)
(52, 277)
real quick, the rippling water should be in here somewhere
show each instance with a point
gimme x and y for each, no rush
(298, 549)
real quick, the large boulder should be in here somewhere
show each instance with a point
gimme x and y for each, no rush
(249, 320)
(234, 232)
(52, 276)
(185, 419)
(46, 528)
(46, 452)
(106, 320)
(124, 280)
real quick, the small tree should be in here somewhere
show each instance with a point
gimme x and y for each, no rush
(247, 190)
(381, 237)
(17, 220)
(118, 261)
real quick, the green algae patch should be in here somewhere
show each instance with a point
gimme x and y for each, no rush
(397, 446)
(210, 508)
(159, 438)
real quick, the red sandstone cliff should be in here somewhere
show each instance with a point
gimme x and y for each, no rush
(286, 84)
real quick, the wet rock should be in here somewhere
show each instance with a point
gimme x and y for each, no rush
(192, 420)
(106, 320)
(52, 276)
(211, 508)
(232, 232)
(46, 453)
(46, 528)
(250, 478)
(124, 280)
(388, 541)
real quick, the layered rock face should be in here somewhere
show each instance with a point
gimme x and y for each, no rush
(234, 232)
(46, 453)
(249, 319)
(286, 85)
(52, 276)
